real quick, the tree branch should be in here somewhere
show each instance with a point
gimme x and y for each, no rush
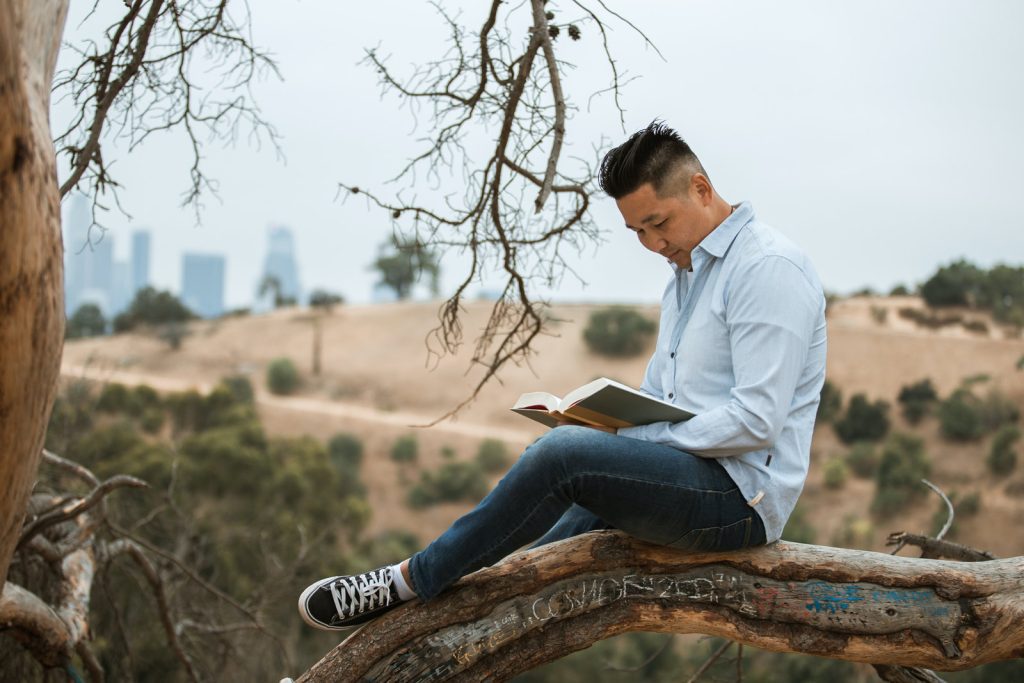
(540, 605)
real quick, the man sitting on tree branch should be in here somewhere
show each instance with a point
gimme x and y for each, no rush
(741, 345)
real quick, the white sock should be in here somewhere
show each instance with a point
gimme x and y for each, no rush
(405, 592)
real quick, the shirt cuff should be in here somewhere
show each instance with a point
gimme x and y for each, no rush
(641, 432)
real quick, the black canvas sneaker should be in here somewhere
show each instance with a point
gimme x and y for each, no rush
(340, 602)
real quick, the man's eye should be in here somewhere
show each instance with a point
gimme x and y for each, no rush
(658, 225)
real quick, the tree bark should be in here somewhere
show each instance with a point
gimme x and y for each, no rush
(31, 253)
(540, 605)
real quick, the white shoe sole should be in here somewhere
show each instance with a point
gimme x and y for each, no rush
(304, 613)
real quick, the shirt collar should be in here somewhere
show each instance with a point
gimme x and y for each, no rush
(718, 240)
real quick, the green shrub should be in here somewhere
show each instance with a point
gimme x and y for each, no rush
(152, 307)
(863, 421)
(447, 452)
(916, 400)
(954, 285)
(240, 387)
(282, 376)
(902, 467)
(831, 403)
(492, 456)
(863, 459)
(969, 505)
(345, 452)
(960, 416)
(1002, 457)
(113, 398)
(405, 449)
(618, 331)
(835, 473)
(88, 321)
(152, 420)
(997, 410)
(453, 482)
(798, 529)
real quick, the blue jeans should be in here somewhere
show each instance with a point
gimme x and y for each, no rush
(575, 479)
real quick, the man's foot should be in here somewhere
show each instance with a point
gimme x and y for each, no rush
(340, 602)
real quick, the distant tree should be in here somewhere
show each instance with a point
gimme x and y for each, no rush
(88, 321)
(957, 284)
(899, 290)
(902, 467)
(321, 302)
(618, 331)
(960, 416)
(282, 376)
(173, 334)
(836, 472)
(864, 420)
(917, 399)
(345, 451)
(153, 308)
(831, 403)
(402, 262)
(798, 528)
(1002, 457)
(405, 449)
(271, 286)
(453, 482)
(322, 299)
(492, 456)
(863, 459)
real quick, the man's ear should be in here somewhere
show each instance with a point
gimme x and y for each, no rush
(702, 186)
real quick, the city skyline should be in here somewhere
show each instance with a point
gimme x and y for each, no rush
(883, 164)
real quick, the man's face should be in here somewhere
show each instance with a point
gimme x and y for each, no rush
(671, 225)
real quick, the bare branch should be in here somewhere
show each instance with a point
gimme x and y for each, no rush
(709, 662)
(949, 508)
(126, 547)
(72, 509)
(498, 88)
(933, 548)
(164, 65)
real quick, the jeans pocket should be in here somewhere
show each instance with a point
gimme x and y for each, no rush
(729, 537)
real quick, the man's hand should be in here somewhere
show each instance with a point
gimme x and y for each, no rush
(566, 422)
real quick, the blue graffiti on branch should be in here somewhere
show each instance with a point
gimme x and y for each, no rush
(831, 598)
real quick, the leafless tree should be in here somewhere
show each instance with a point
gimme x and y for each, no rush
(181, 65)
(522, 201)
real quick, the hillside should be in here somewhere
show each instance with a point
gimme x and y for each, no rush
(378, 380)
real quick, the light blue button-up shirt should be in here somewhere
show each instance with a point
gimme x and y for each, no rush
(742, 346)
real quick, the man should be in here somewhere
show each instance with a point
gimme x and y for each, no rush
(741, 345)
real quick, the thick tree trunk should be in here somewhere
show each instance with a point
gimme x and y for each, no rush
(31, 254)
(541, 605)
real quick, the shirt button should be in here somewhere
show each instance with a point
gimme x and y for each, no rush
(671, 395)
(672, 355)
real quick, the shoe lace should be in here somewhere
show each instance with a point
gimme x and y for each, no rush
(356, 594)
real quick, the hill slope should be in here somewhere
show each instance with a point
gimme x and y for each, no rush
(378, 379)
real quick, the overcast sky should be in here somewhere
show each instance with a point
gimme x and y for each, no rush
(883, 137)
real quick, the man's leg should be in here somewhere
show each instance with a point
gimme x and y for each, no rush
(648, 490)
(576, 520)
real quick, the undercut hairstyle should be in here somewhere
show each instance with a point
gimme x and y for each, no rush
(655, 155)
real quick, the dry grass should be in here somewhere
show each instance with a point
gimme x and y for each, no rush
(377, 380)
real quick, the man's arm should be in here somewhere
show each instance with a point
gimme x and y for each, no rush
(772, 313)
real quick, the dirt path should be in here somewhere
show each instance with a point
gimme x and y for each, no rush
(336, 409)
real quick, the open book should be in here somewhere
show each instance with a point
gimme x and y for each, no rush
(601, 402)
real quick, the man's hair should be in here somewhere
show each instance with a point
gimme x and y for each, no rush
(653, 155)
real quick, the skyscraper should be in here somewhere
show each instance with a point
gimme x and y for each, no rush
(88, 260)
(140, 260)
(202, 284)
(281, 264)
